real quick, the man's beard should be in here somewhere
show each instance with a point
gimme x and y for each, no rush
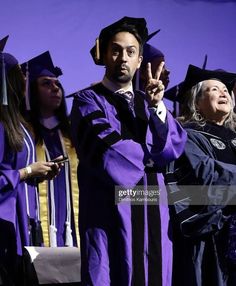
(122, 77)
(125, 78)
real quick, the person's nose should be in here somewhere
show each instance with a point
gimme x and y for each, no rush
(124, 56)
(224, 93)
(55, 87)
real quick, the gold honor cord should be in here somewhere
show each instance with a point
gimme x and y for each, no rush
(71, 153)
(43, 190)
(43, 198)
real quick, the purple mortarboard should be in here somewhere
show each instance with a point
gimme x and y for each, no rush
(136, 26)
(41, 65)
(3, 43)
(7, 61)
(149, 51)
(38, 66)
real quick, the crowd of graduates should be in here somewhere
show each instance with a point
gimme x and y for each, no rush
(60, 173)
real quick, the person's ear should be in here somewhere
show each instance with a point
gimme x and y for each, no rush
(140, 59)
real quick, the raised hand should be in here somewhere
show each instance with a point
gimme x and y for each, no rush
(154, 88)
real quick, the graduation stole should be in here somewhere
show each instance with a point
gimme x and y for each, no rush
(43, 189)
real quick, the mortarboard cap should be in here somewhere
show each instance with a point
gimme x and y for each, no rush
(3, 43)
(149, 51)
(174, 93)
(150, 36)
(195, 75)
(41, 65)
(129, 24)
(7, 62)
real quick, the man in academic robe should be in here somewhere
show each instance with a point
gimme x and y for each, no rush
(123, 138)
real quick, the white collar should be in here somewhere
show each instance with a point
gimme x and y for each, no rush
(114, 88)
(50, 122)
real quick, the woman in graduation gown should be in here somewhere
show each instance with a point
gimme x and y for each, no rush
(19, 212)
(202, 184)
(59, 199)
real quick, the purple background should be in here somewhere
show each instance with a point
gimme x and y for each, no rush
(68, 28)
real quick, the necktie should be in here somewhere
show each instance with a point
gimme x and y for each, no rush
(129, 97)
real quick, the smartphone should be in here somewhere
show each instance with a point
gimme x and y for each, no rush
(60, 161)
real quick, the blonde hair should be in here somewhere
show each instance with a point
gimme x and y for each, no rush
(190, 112)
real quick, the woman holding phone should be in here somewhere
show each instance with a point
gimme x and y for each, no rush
(19, 175)
(48, 116)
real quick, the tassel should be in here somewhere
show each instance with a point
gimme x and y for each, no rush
(4, 83)
(69, 239)
(53, 236)
(97, 53)
(27, 93)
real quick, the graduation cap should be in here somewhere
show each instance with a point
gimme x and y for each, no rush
(195, 75)
(149, 51)
(135, 26)
(175, 93)
(7, 62)
(41, 65)
(3, 43)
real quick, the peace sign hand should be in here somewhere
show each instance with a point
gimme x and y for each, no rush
(155, 88)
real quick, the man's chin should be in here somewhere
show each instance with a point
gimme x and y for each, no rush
(123, 79)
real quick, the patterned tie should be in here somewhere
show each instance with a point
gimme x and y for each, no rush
(129, 97)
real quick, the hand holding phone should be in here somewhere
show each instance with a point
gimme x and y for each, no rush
(60, 160)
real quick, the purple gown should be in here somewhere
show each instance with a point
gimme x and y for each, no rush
(18, 199)
(122, 244)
